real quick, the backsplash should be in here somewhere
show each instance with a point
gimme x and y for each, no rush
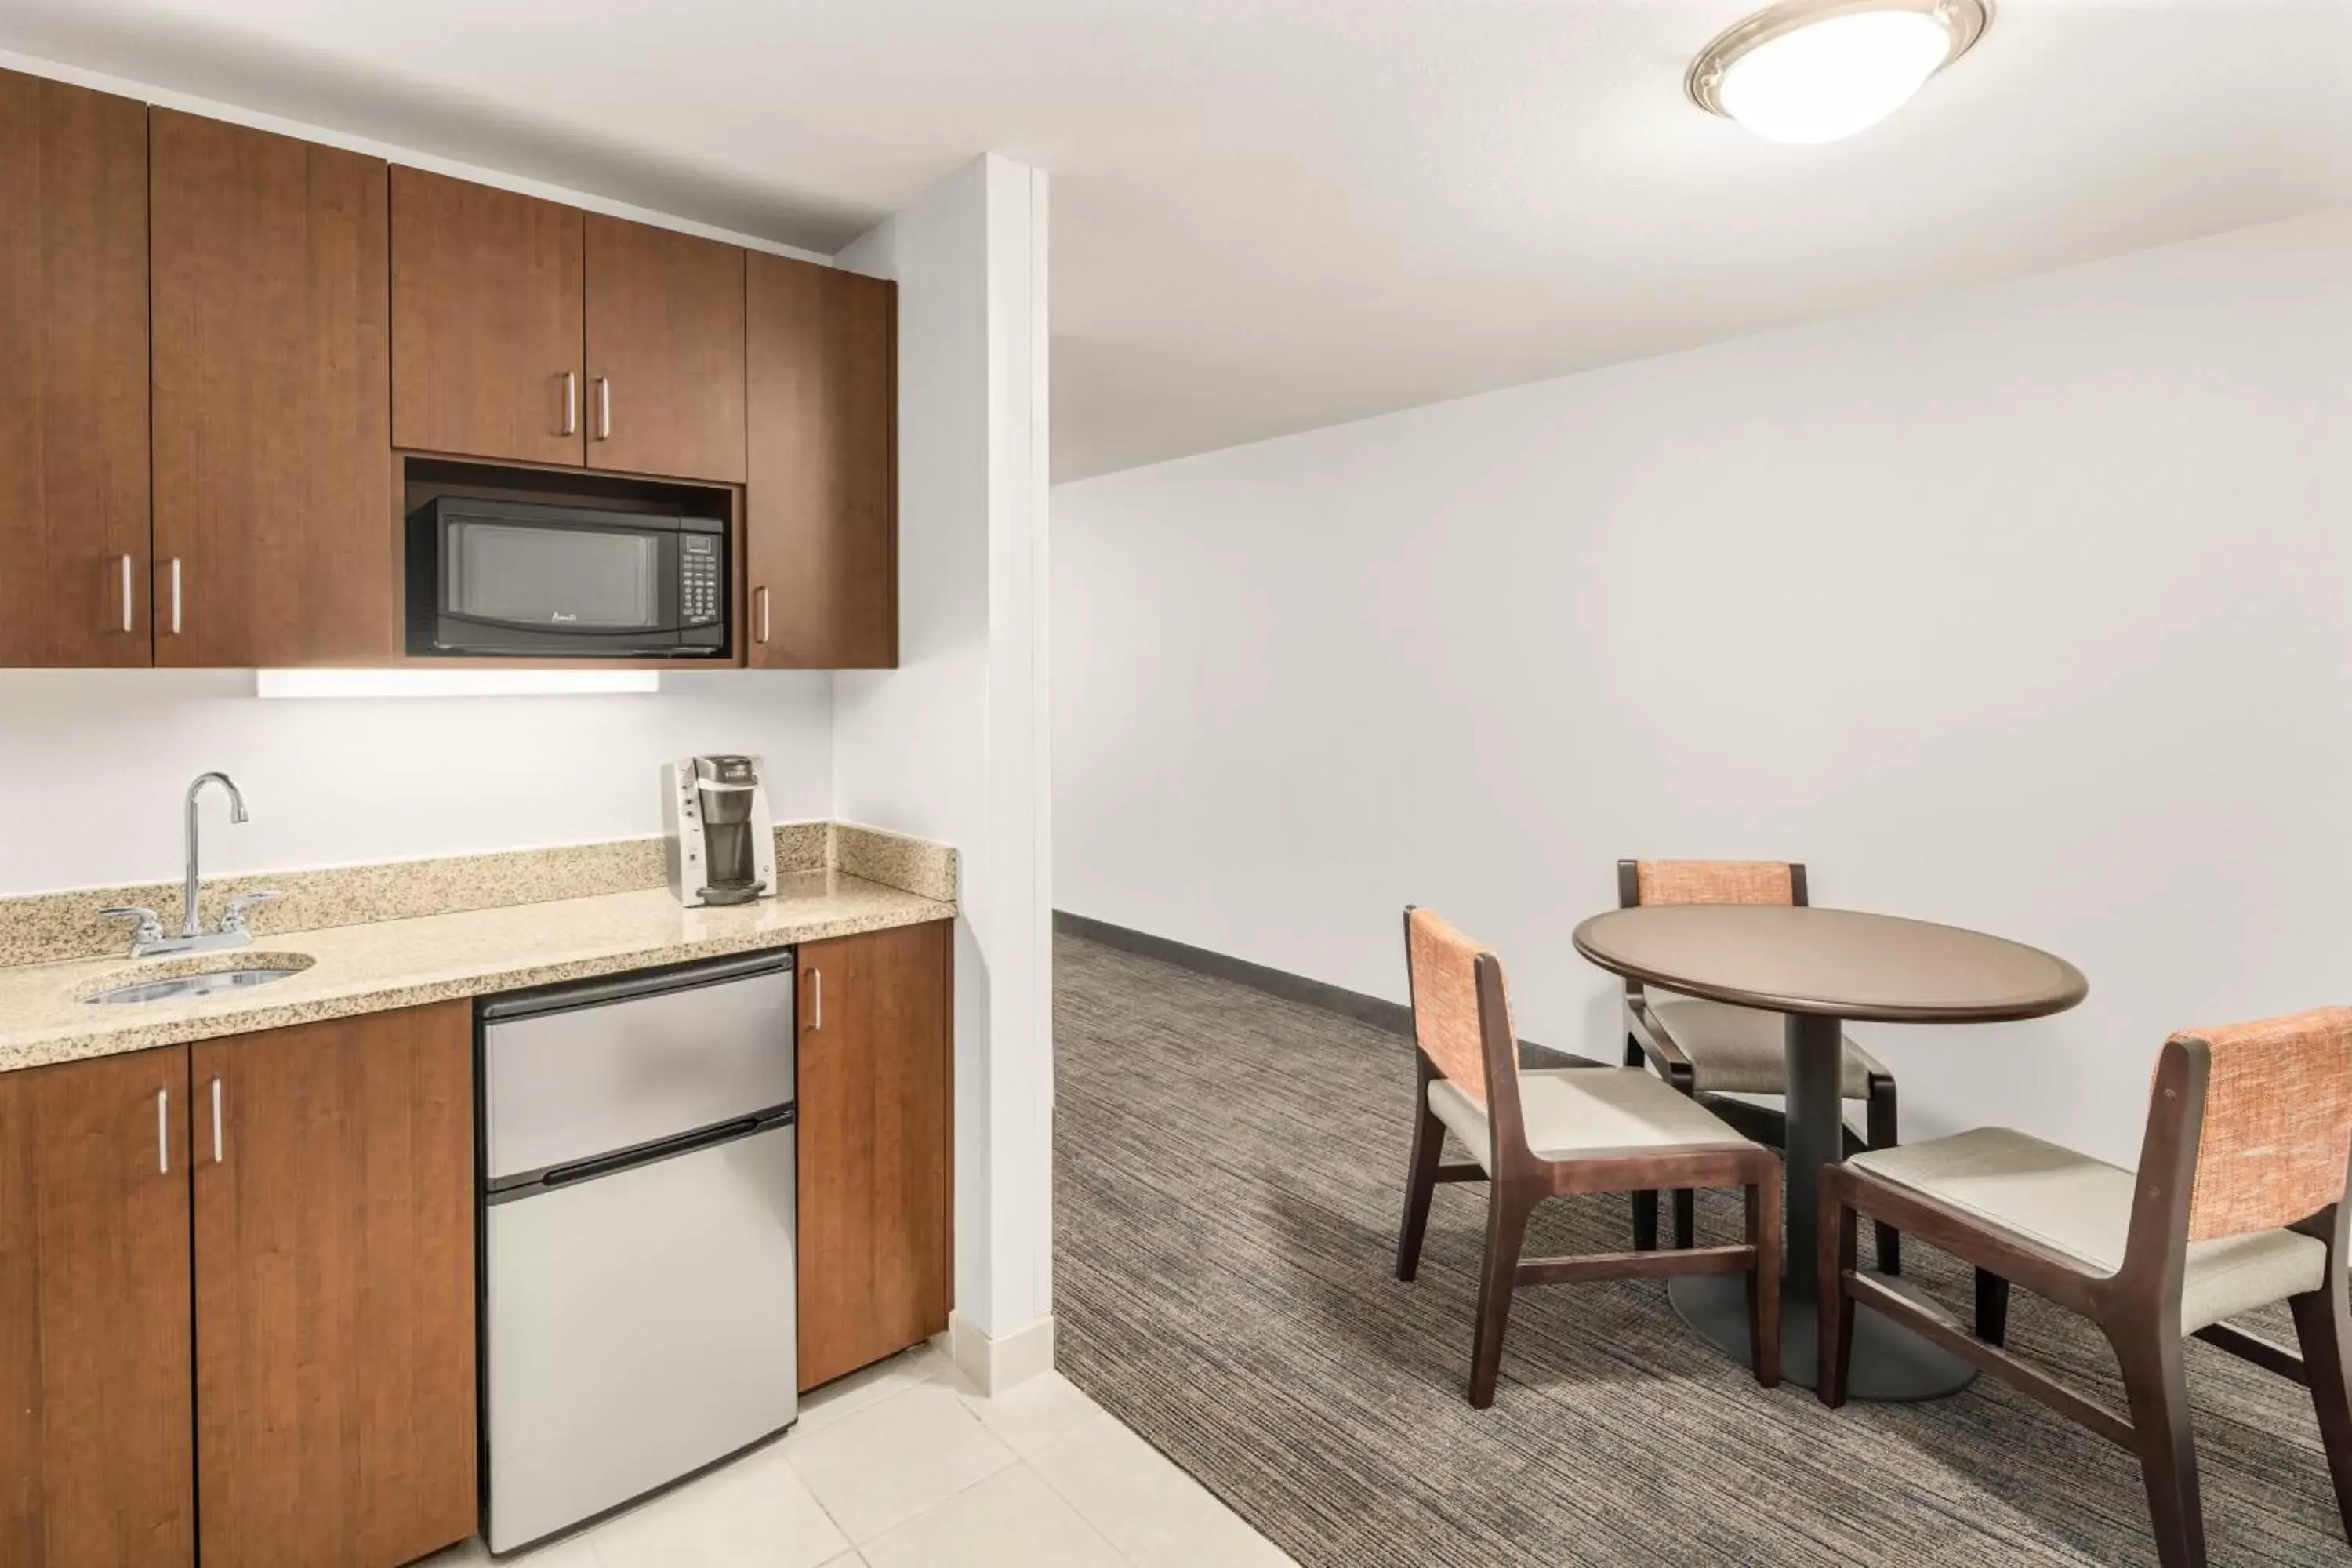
(917, 866)
(49, 928)
(353, 780)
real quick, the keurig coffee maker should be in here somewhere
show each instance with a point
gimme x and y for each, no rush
(720, 844)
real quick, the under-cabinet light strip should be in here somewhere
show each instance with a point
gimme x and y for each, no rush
(451, 682)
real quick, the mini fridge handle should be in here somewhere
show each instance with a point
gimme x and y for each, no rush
(570, 993)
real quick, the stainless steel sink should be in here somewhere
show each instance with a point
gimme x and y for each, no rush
(260, 969)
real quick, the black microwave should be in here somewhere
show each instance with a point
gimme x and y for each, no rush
(519, 580)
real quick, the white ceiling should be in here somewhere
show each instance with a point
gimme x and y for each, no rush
(1272, 215)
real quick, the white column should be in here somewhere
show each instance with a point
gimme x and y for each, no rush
(954, 743)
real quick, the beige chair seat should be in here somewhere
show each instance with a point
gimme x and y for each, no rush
(2082, 1207)
(1573, 1110)
(1739, 1050)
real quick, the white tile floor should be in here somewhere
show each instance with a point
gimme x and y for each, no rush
(904, 1466)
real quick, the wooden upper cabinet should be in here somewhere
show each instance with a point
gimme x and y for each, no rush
(73, 406)
(877, 1096)
(821, 532)
(95, 1468)
(487, 314)
(272, 400)
(334, 1290)
(664, 353)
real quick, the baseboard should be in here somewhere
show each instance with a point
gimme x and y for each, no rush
(995, 1364)
(1377, 1011)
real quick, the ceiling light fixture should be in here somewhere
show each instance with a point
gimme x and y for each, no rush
(1815, 70)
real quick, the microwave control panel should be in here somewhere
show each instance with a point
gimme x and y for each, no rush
(699, 579)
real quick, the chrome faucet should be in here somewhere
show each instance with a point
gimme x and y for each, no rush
(188, 927)
(149, 941)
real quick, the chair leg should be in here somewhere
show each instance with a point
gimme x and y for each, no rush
(2324, 1331)
(1764, 1276)
(1878, 1116)
(1506, 1224)
(1834, 1352)
(2158, 1390)
(1645, 1203)
(1993, 1308)
(1419, 1181)
(1681, 1080)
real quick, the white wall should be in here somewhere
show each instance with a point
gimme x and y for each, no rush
(93, 764)
(2028, 608)
(953, 743)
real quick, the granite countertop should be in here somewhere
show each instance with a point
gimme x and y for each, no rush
(383, 964)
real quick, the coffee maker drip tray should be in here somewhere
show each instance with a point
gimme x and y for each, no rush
(738, 895)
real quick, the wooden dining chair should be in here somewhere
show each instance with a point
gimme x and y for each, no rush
(1536, 1134)
(2239, 1202)
(1713, 1048)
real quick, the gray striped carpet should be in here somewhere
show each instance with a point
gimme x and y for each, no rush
(1229, 1173)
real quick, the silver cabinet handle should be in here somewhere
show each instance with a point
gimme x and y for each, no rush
(571, 403)
(163, 1130)
(818, 975)
(604, 408)
(127, 605)
(176, 595)
(762, 596)
(216, 1121)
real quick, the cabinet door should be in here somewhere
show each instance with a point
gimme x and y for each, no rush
(486, 317)
(94, 1419)
(73, 411)
(334, 1290)
(272, 400)
(876, 1103)
(664, 351)
(821, 534)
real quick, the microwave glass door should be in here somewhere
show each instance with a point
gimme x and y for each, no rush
(582, 579)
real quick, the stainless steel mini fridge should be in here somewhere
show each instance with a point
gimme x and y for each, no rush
(638, 1319)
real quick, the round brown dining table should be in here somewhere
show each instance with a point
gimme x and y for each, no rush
(1821, 969)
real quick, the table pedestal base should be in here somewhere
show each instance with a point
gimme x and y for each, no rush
(1890, 1363)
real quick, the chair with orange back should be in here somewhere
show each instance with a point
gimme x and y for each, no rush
(1713, 1048)
(2239, 1202)
(1539, 1134)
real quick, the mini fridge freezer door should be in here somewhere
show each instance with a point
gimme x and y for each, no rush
(625, 1062)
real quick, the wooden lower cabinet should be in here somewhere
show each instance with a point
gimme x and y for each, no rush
(876, 1106)
(334, 1290)
(94, 1417)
